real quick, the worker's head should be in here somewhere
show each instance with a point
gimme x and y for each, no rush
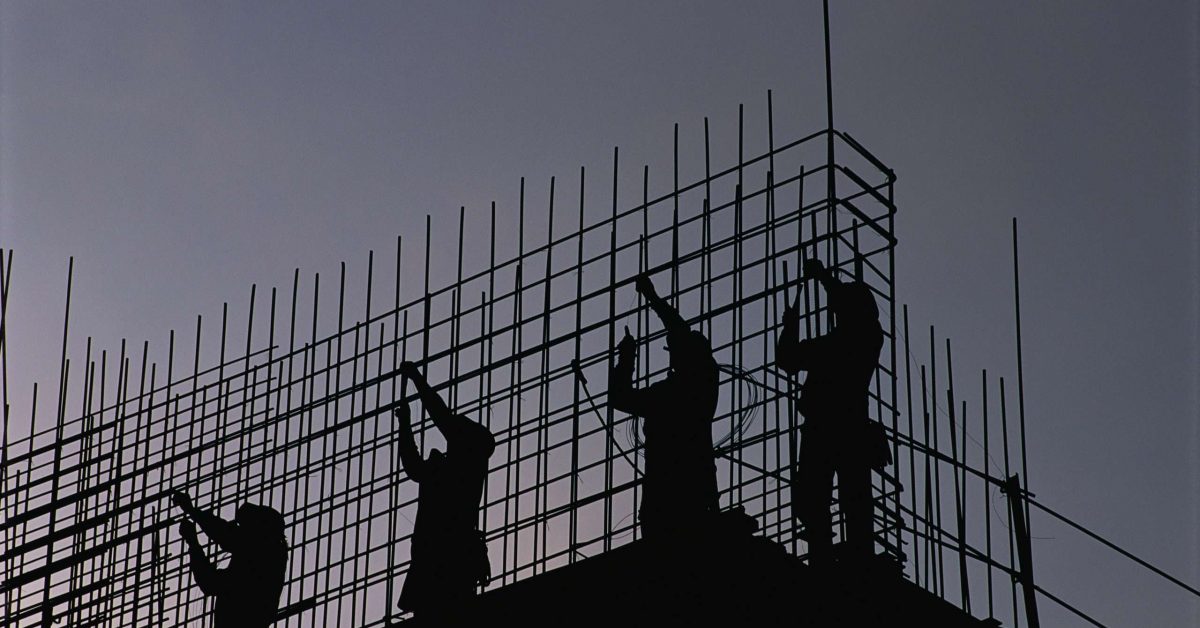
(262, 522)
(689, 349)
(853, 304)
(468, 437)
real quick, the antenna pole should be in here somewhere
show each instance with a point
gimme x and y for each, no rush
(830, 182)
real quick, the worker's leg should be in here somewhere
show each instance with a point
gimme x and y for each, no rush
(812, 492)
(854, 494)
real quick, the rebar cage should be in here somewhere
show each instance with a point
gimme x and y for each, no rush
(293, 416)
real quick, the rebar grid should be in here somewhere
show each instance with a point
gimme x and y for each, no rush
(300, 419)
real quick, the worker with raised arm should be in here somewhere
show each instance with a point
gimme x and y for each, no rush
(680, 485)
(449, 556)
(247, 591)
(837, 435)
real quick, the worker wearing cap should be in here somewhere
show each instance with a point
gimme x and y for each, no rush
(680, 486)
(247, 591)
(449, 556)
(837, 435)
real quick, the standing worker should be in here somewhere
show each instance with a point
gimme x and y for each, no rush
(449, 555)
(680, 487)
(838, 435)
(248, 590)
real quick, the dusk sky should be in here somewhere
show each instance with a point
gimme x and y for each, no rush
(182, 152)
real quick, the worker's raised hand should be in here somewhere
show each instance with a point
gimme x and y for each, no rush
(410, 370)
(187, 530)
(181, 499)
(627, 348)
(813, 269)
(644, 286)
(403, 413)
(791, 313)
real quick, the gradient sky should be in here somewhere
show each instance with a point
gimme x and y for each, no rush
(182, 152)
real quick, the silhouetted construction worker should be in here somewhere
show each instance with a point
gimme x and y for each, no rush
(248, 590)
(837, 435)
(680, 485)
(449, 555)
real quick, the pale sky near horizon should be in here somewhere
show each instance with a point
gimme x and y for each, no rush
(182, 152)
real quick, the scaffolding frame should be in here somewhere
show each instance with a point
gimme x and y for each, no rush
(297, 416)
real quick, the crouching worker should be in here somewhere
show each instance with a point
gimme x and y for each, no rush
(247, 591)
(449, 556)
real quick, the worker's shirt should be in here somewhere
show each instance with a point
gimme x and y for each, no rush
(248, 590)
(678, 413)
(451, 485)
(840, 365)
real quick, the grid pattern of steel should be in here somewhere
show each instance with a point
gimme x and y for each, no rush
(291, 407)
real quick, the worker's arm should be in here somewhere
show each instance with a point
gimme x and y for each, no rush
(224, 533)
(203, 571)
(666, 313)
(410, 456)
(787, 344)
(437, 409)
(814, 269)
(621, 393)
(792, 354)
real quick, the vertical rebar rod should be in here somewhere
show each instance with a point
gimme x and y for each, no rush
(362, 458)
(959, 521)
(1020, 365)
(1016, 497)
(987, 501)
(706, 271)
(937, 474)
(543, 460)
(612, 341)
(393, 453)
(912, 462)
(930, 544)
(1012, 561)
(643, 312)
(63, 368)
(674, 218)
(573, 540)
(891, 253)
(489, 341)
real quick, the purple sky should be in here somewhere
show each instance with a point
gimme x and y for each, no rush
(182, 152)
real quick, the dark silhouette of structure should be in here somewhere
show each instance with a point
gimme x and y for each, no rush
(87, 542)
(449, 556)
(248, 590)
(837, 435)
(680, 486)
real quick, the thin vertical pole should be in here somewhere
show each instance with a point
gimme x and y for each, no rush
(1012, 560)
(963, 585)
(912, 462)
(830, 175)
(1020, 361)
(514, 416)
(543, 460)
(486, 409)
(63, 368)
(643, 313)
(706, 272)
(1015, 498)
(987, 501)
(674, 219)
(937, 474)
(393, 470)
(573, 541)
(612, 341)
(930, 546)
